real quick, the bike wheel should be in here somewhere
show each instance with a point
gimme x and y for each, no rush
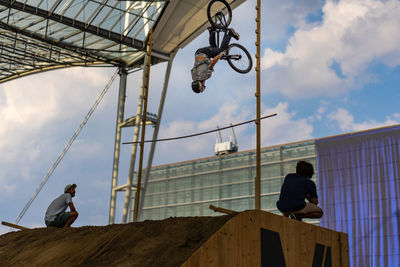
(239, 58)
(219, 14)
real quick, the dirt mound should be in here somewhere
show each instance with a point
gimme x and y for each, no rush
(150, 243)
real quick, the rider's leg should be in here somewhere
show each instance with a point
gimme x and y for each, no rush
(226, 40)
(210, 51)
(234, 34)
(211, 38)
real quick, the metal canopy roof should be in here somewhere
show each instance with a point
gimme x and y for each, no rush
(39, 35)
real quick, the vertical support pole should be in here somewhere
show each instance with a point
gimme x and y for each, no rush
(258, 96)
(155, 133)
(128, 188)
(117, 143)
(146, 95)
(281, 164)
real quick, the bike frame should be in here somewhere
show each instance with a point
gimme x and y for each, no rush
(220, 25)
(217, 37)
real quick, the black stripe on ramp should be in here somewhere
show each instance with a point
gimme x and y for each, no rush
(271, 249)
(328, 257)
(318, 255)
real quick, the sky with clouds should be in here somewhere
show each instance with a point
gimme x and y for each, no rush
(328, 67)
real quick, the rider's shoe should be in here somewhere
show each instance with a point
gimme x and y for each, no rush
(295, 216)
(234, 34)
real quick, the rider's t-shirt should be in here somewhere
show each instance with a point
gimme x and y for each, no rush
(200, 70)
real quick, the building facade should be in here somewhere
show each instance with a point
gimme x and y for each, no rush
(189, 188)
(358, 180)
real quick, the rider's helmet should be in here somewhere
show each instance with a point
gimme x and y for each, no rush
(196, 86)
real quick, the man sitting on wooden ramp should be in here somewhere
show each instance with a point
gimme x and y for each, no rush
(296, 188)
(56, 215)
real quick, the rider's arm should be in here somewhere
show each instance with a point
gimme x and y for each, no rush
(215, 60)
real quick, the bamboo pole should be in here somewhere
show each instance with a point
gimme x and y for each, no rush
(155, 132)
(146, 94)
(14, 225)
(222, 210)
(128, 188)
(257, 182)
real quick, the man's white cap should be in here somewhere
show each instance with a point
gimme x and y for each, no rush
(68, 187)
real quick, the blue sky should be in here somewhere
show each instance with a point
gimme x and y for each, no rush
(328, 67)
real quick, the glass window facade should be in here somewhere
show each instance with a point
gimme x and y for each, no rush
(189, 188)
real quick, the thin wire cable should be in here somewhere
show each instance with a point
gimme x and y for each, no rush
(202, 133)
(66, 148)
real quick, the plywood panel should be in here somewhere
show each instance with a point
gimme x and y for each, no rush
(238, 243)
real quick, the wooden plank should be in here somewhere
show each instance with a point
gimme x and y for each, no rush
(222, 210)
(14, 225)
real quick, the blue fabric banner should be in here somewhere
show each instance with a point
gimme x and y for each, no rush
(359, 191)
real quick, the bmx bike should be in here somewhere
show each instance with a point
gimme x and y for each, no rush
(219, 14)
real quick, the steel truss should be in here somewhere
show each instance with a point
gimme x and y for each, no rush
(43, 35)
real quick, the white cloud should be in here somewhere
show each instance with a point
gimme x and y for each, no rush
(200, 146)
(331, 58)
(8, 188)
(283, 128)
(86, 149)
(35, 110)
(346, 121)
(276, 17)
(321, 110)
(30, 103)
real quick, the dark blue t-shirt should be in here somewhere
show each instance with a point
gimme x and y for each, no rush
(294, 190)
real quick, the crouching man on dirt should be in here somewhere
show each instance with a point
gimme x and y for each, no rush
(56, 215)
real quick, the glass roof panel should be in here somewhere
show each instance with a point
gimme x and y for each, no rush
(54, 28)
(77, 39)
(113, 21)
(62, 33)
(44, 4)
(71, 9)
(38, 28)
(32, 2)
(102, 15)
(18, 18)
(62, 8)
(3, 14)
(91, 10)
(27, 22)
(84, 11)
(56, 33)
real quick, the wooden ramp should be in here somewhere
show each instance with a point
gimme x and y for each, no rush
(259, 238)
